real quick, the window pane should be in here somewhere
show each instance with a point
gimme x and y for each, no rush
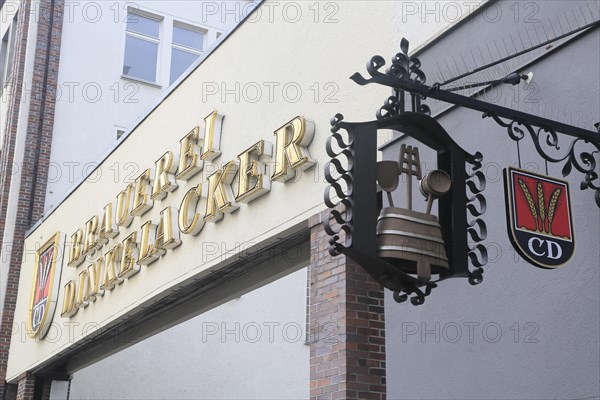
(187, 37)
(180, 61)
(140, 58)
(143, 25)
(3, 59)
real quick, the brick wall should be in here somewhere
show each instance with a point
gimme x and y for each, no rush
(12, 115)
(26, 388)
(38, 141)
(347, 350)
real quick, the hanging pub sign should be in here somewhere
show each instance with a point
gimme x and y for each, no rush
(44, 291)
(409, 251)
(539, 218)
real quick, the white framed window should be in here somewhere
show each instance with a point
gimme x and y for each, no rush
(7, 53)
(142, 41)
(187, 45)
(159, 48)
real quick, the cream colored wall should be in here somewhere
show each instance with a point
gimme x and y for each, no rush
(267, 50)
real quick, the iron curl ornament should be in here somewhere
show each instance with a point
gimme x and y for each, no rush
(546, 138)
(338, 194)
(404, 68)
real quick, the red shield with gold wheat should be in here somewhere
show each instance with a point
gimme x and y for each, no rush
(46, 276)
(539, 217)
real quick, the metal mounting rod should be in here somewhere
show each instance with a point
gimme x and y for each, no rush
(474, 104)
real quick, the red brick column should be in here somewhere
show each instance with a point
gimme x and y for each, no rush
(347, 350)
(11, 110)
(26, 388)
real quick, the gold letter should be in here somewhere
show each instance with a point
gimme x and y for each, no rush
(147, 244)
(110, 279)
(91, 239)
(212, 136)
(69, 309)
(292, 152)
(188, 206)
(106, 227)
(189, 165)
(94, 281)
(129, 267)
(123, 217)
(142, 192)
(166, 236)
(84, 286)
(252, 182)
(220, 197)
(164, 181)
(75, 257)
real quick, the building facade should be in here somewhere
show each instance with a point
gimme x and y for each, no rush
(66, 66)
(182, 257)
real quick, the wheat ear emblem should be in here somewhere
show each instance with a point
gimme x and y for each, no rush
(530, 202)
(552, 207)
(541, 205)
(540, 223)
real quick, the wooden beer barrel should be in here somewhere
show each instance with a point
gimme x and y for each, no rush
(411, 241)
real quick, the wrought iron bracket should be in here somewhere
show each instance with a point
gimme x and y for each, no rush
(405, 75)
(352, 192)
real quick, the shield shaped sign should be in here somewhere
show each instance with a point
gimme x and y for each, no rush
(44, 293)
(538, 210)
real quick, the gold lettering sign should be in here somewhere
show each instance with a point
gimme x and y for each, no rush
(109, 276)
(292, 151)
(147, 243)
(142, 192)
(91, 237)
(166, 236)
(212, 136)
(164, 178)
(107, 231)
(69, 309)
(220, 197)
(125, 258)
(252, 181)
(75, 256)
(189, 163)
(82, 288)
(94, 279)
(123, 217)
(129, 257)
(188, 207)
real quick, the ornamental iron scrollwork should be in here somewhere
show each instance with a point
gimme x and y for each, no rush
(476, 208)
(402, 68)
(339, 192)
(582, 161)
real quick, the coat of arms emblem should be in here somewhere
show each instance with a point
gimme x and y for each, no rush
(539, 217)
(44, 293)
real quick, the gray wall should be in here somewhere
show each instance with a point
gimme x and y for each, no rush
(524, 333)
(243, 349)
